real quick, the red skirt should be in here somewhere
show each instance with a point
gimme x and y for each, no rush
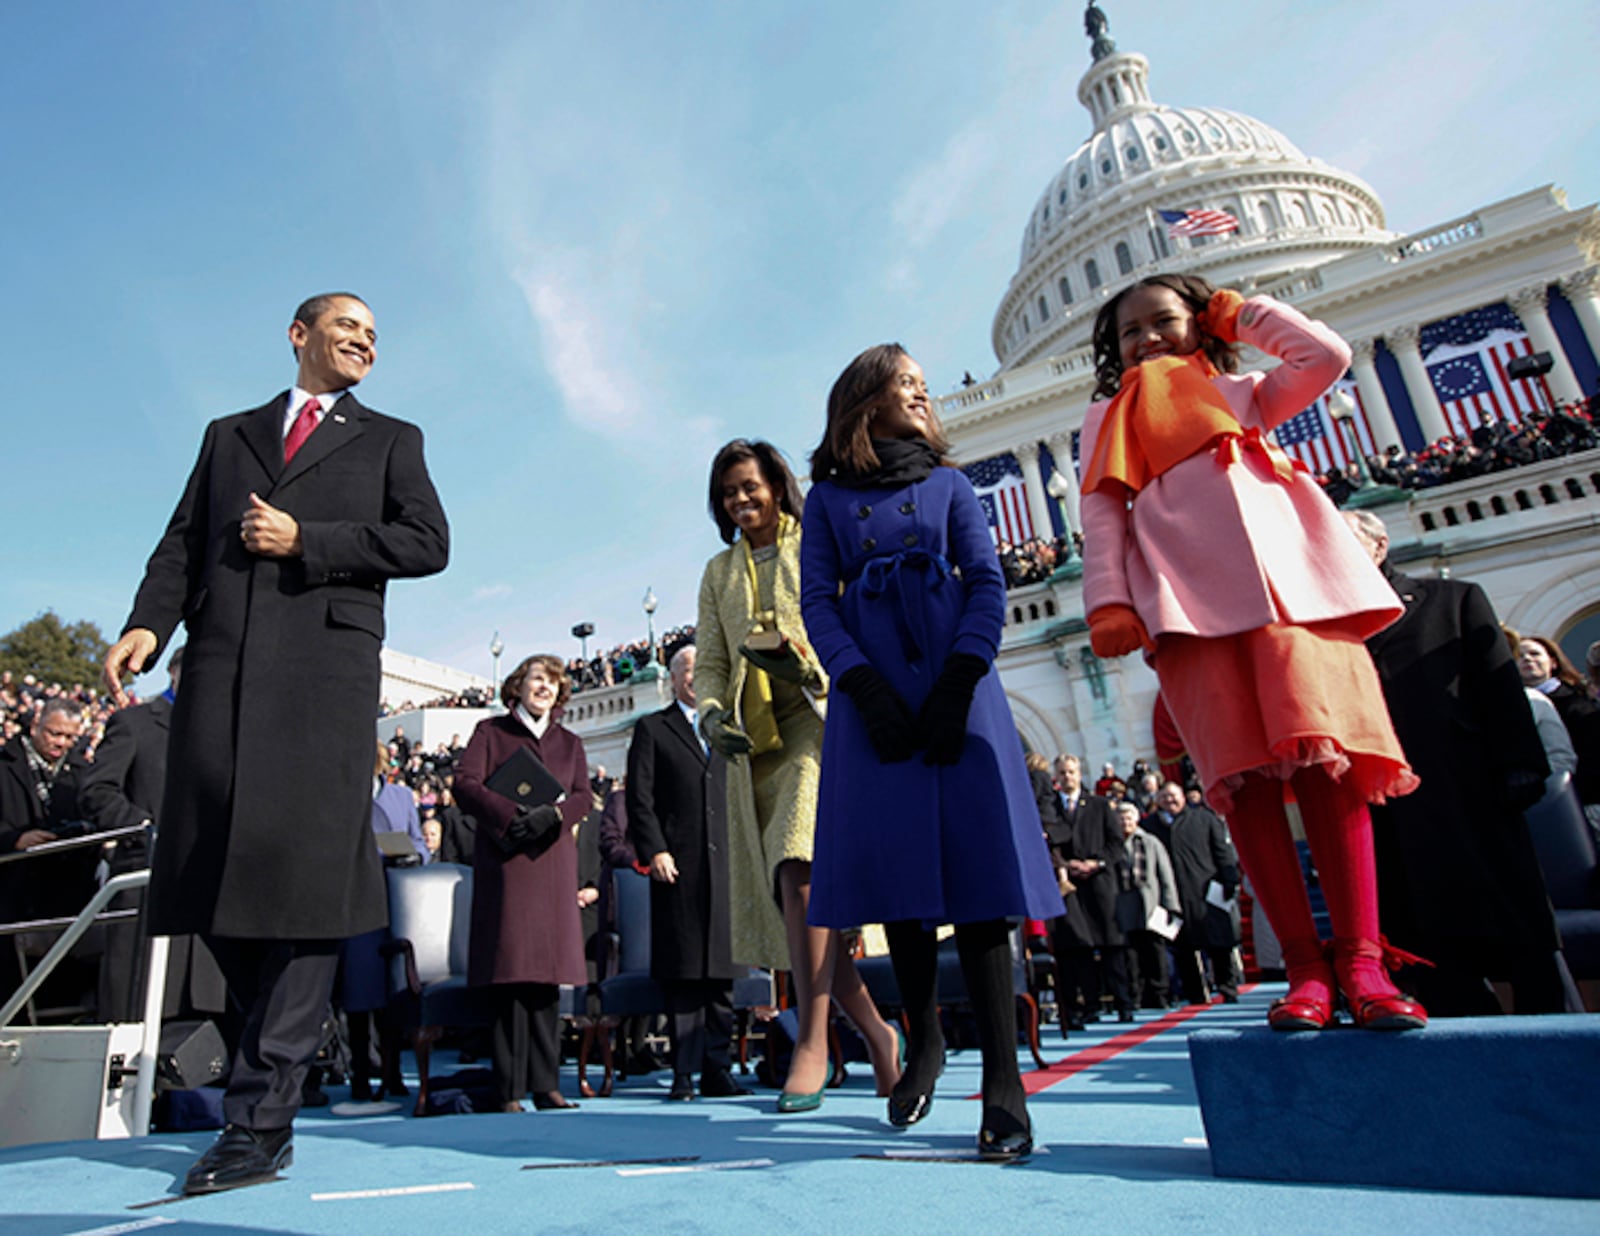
(1277, 699)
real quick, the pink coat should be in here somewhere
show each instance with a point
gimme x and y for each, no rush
(1213, 548)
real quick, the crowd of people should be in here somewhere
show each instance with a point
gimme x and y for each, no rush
(607, 669)
(1496, 447)
(1033, 561)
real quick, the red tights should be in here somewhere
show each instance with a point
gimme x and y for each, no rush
(1340, 833)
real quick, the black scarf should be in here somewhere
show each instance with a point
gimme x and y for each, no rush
(901, 462)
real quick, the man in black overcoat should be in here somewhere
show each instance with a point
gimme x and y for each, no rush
(40, 775)
(1198, 844)
(1086, 842)
(678, 822)
(294, 520)
(1458, 878)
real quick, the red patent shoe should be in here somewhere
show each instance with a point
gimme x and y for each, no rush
(1309, 1002)
(1375, 1002)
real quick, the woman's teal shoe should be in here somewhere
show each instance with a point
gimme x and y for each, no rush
(790, 1104)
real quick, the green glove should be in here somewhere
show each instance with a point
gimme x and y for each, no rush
(723, 735)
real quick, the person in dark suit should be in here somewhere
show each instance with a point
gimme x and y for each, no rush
(123, 788)
(678, 822)
(1086, 844)
(1458, 878)
(294, 520)
(527, 938)
(1198, 844)
(40, 774)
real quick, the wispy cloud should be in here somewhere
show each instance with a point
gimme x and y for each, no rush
(490, 592)
(576, 337)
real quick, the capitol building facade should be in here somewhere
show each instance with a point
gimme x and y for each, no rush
(1466, 297)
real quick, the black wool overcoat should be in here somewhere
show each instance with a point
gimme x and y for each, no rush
(1197, 842)
(1458, 877)
(1094, 833)
(266, 822)
(677, 803)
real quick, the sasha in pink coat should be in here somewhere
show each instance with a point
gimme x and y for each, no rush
(1208, 548)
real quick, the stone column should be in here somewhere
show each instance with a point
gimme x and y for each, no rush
(1583, 291)
(1529, 305)
(1027, 454)
(1061, 448)
(1380, 417)
(1405, 343)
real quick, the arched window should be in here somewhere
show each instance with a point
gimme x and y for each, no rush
(1044, 310)
(1124, 258)
(1091, 273)
(1065, 289)
(1270, 221)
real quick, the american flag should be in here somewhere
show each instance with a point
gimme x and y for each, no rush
(1316, 440)
(1467, 357)
(1003, 497)
(1199, 222)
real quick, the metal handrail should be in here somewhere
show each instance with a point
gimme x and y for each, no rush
(154, 993)
(56, 924)
(46, 848)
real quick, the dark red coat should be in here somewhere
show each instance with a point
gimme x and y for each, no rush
(525, 926)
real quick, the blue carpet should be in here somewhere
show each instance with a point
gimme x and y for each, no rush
(1495, 1104)
(1122, 1148)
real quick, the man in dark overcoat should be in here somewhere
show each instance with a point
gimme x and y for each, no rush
(294, 520)
(1198, 844)
(40, 776)
(1085, 839)
(123, 788)
(678, 823)
(1458, 878)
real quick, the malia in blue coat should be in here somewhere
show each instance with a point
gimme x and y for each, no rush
(925, 814)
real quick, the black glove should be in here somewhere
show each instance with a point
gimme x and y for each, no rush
(890, 727)
(723, 735)
(784, 664)
(1523, 789)
(942, 723)
(531, 827)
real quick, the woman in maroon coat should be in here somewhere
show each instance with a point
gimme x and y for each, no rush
(526, 938)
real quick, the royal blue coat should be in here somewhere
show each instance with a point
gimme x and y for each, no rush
(920, 580)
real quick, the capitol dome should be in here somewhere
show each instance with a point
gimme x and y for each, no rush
(1097, 225)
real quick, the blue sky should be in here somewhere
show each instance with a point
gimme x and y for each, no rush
(600, 240)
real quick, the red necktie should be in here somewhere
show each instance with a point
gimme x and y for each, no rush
(301, 429)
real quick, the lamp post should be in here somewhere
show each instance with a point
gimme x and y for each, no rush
(651, 669)
(496, 647)
(1063, 491)
(650, 604)
(1343, 411)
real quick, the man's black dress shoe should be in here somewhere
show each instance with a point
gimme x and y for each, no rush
(1124, 1015)
(1072, 1022)
(720, 1084)
(682, 1090)
(1230, 997)
(551, 1100)
(241, 1157)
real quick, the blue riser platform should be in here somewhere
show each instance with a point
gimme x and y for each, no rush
(1484, 1105)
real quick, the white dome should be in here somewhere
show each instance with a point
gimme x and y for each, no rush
(1097, 224)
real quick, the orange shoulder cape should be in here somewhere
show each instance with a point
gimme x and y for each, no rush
(1167, 410)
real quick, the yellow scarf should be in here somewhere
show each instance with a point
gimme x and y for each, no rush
(760, 719)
